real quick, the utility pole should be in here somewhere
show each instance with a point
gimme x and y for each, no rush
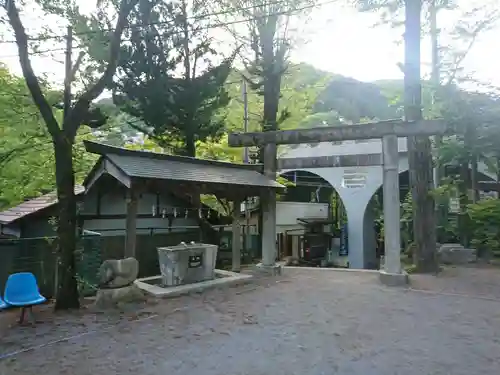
(68, 66)
(245, 117)
(246, 227)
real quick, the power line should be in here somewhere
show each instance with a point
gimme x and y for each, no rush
(215, 26)
(193, 18)
(37, 52)
(208, 27)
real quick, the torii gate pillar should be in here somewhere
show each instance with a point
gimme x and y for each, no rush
(268, 204)
(392, 273)
(389, 131)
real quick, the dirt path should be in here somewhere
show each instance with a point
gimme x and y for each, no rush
(307, 322)
(477, 280)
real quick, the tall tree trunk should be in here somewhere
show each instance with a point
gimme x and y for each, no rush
(270, 123)
(468, 183)
(474, 177)
(420, 157)
(443, 204)
(67, 295)
(497, 157)
(185, 43)
(463, 198)
(272, 66)
(190, 147)
(472, 182)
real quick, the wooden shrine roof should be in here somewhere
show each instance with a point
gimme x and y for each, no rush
(125, 165)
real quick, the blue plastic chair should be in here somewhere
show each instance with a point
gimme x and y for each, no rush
(21, 290)
(3, 305)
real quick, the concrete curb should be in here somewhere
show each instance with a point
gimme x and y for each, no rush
(230, 278)
(332, 269)
(275, 270)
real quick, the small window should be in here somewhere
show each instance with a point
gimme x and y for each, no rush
(354, 179)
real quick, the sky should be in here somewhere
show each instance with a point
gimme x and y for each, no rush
(339, 39)
(346, 42)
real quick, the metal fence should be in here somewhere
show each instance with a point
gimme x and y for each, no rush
(146, 248)
(39, 256)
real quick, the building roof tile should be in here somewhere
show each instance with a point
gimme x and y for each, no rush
(31, 206)
(151, 165)
(174, 170)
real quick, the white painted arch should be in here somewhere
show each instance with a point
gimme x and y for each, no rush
(355, 199)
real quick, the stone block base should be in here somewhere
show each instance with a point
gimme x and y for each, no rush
(394, 279)
(274, 270)
(110, 298)
(291, 261)
(456, 254)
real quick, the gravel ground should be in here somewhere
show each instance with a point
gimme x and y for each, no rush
(306, 322)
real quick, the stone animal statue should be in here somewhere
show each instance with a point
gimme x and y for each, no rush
(118, 273)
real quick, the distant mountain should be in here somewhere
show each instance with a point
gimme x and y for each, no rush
(311, 96)
(318, 98)
(354, 100)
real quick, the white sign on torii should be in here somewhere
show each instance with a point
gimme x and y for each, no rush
(388, 131)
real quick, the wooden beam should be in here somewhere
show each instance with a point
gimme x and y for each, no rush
(131, 223)
(95, 174)
(106, 167)
(334, 161)
(372, 130)
(117, 173)
(489, 186)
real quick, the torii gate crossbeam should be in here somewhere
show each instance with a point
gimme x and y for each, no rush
(389, 131)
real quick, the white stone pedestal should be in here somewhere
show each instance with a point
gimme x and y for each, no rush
(394, 279)
(272, 270)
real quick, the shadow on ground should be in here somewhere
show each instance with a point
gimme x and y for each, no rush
(306, 322)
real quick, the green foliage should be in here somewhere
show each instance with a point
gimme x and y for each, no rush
(407, 220)
(27, 156)
(23, 140)
(485, 225)
(353, 100)
(300, 87)
(321, 119)
(219, 150)
(177, 110)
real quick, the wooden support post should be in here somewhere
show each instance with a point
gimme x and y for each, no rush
(269, 209)
(295, 247)
(236, 264)
(131, 223)
(284, 245)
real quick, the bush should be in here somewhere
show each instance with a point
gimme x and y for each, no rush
(485, 226)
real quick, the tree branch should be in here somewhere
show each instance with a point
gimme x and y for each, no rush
(28, 72)
(75, 67)
(459, 60)
(73, 121)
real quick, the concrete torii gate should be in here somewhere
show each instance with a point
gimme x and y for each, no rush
(388, 131)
